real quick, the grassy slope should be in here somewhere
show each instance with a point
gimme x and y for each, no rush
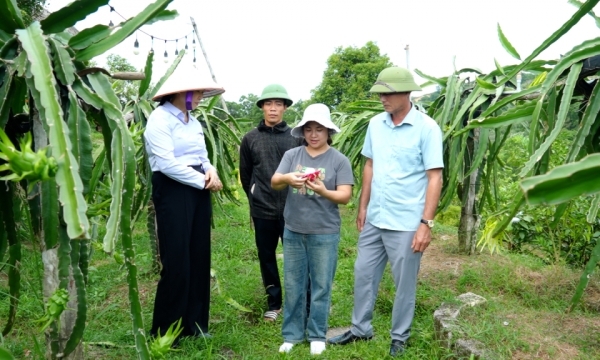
(527, 295)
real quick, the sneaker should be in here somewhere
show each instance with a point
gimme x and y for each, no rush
(317, 347)
(286, 347)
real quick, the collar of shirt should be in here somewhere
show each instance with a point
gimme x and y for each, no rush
(175, 111)
(408, 119)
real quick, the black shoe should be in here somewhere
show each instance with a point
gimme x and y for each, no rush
(347, 338)
(397, 348)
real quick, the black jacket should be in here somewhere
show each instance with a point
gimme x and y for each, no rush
(260, 154)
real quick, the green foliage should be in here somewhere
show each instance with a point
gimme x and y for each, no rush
(31, 9)
(126, 90)
(245, 108)
(161, 345)
(449, 217)
(350, 74)
(571, 240)
(250, 115)
(57, 303)
(25, 164)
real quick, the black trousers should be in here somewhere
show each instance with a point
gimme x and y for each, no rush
(183, 216)
(267, 234)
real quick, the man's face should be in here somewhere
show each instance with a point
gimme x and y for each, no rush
(394, 103)
(273, 110)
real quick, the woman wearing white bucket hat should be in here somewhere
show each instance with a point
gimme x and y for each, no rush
(181, 184)
(321, 178)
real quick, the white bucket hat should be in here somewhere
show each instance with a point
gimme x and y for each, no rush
(317, 113)
(188, 78)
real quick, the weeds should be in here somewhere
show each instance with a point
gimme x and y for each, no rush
(520, 290)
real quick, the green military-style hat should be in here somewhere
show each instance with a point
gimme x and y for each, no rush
(394, 79)
(274, 91)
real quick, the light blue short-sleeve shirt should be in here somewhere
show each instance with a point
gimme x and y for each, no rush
(401, 154)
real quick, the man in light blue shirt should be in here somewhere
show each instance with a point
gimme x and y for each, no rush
(402, 181)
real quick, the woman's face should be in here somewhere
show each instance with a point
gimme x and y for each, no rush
(315, 135)
(181, 98)
(196, 97)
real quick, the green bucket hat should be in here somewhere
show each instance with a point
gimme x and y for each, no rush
(274, 91)
(394, 79)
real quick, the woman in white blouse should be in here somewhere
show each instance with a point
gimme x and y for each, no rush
(182, 181)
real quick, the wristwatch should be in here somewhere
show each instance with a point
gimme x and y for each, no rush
(428, 223)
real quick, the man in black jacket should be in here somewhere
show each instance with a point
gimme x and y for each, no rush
(260, 154)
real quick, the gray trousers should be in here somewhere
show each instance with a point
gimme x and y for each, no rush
(375, 247)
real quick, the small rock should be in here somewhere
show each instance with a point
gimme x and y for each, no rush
(471, 299)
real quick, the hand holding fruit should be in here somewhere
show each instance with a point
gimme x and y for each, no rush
(316, 185)
(295, 180)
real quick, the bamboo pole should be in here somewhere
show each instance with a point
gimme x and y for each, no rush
(207, 62)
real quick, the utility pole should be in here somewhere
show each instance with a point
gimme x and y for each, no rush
(207, 62)
(407, 57)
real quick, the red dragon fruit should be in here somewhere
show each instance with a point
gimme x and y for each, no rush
(312, 176)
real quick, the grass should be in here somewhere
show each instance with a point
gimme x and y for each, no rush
(524, 317)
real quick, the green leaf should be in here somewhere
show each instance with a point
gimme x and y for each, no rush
(590, 267)
(475, 97)
(5, 354)
(565, 105)
(4, 36)
(95, 100)
(592, 214)
(144, 84)
(104, 89)
(236, 305)
(96, 173)
(481, 150)
(116, 190)
(519, 113)
(589, 117)
(70, 15)
(50, 209)
(564, 182)
(440, 81)
(67, 177)
(507, 45)
(10, 16)
(486, 85)
(10, 49)
(65, 71)
(579, 4)
(574, 19)
(89, 36)
(5, 99)
(145, 107)
(499, 67)
(507, 100)
(80, 134)
(164, 15)
(123, 33)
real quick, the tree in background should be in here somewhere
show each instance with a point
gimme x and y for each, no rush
(246, 109)
(31, 9)
(126, 90)
(349, 75)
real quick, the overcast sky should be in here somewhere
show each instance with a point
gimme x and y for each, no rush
(251, 44)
